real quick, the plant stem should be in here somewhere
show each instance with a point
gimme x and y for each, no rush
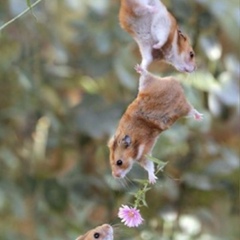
(19, 15)
(140, 195)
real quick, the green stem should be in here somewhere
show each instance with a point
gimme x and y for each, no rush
(19, 15)
(142, 192)
(140, 195)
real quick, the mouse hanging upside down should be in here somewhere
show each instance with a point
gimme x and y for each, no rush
(157, 34)
(160, 102)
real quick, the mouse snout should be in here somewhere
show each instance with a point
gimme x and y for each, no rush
(116, 174)
(190, 69)
(108, 227)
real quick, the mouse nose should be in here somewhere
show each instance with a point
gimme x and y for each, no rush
(189, 69)
(107, 226)
(116, 174)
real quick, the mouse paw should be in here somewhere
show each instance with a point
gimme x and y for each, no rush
(139, 69)
(152, 179)
(149, 166)
(196, 115)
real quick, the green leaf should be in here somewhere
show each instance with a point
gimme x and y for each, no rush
(132, 193)
(144, 203)
(141, 181)
(157, 161)
(146, 189)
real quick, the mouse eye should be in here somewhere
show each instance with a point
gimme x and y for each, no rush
(96, 235)
(119, 162)
(191, 54)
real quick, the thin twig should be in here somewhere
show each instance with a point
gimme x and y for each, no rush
(19, 15)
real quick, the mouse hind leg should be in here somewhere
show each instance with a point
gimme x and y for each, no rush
(160, 30)
(142, 8)
(195, 114)
(148, 165)
(161, 39)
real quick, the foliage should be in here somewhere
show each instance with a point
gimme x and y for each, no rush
(66, 77)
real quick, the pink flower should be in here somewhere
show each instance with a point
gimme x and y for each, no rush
(131, 217)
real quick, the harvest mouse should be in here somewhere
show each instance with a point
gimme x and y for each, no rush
(159, 103)
(103, 232)
(157, 34)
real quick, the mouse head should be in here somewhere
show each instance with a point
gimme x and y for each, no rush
(103, 232)
(185, 59)
(122, 154)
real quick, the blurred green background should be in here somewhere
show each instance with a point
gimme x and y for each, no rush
(66, 77)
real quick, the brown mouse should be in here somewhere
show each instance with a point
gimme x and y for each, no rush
(159, 103)
(157, 34)
(103, 232)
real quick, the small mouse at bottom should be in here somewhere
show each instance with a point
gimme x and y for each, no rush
(103, 232)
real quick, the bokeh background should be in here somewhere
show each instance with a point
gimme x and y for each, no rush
(66, 77)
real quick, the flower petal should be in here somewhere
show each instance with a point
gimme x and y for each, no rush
(131, 217)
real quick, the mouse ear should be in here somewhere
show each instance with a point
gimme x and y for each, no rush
(110, 142)
(182, 35)
(126, 141)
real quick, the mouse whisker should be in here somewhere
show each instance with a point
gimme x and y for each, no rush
(122, 182)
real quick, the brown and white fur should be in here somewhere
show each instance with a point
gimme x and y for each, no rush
(103, 232)
(157, 34)
(159, 103)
